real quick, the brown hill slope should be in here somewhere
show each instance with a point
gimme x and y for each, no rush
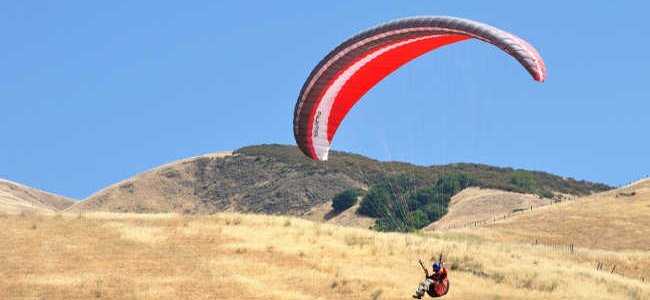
(278, 179)
(614, 225)
(613, 220)
(17, 198)
(167, 188)
(476, 204)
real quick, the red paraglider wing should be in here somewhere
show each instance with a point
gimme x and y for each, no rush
(390, 58)
(349, 71)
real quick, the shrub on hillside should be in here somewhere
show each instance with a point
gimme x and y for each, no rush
(375, 203)
(398, 206)
(453, 183)
(346, 199)
(419, 219)
(546, 194)
(524, 181)
(435, 211)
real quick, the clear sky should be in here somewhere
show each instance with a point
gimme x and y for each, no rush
(92, 92)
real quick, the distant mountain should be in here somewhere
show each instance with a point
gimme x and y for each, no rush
(279, 179)
(17, 198)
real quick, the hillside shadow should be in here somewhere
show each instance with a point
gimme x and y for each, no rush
(332, 214)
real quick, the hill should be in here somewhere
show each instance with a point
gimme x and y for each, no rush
(477, 204)
(279, 179)
(234, 256)
(17, 198)
(168, 188)
(614, 225)
(612, 220)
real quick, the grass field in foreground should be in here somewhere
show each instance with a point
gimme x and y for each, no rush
(224, 256)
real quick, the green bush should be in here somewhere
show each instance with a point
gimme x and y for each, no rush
(399, 206)
(524, 181)
(345, 199)
(419, 219)
(451, 184)
(435, 211)
(375, 203)
(546, 194)
(388, 224)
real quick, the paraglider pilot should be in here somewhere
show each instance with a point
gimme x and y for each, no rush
(436, 284)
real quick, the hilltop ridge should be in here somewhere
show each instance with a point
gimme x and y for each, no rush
(17, 198)
(279, 179)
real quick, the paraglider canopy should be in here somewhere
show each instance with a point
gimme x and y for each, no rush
(339, 81)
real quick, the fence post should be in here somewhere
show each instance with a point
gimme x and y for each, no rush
(613, 269)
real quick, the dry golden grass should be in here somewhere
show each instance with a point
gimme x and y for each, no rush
(477, 204)
(129, 256)
(617, 222)
(605, 221)
(323, 213)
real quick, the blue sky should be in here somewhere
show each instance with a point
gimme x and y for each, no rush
(93, 92)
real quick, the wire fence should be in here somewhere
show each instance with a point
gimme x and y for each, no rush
(494, 219)
(570, 249)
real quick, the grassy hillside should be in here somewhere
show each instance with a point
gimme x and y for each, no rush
(476, 204)
(16, 198)
(167, 188)
(614, 222)
(279, 179)
(232, 256)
